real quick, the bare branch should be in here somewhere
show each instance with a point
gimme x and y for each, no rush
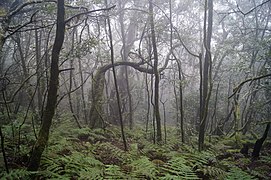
(251, 10)
(238, 88)
(88, 12)
(17, 10)
(22, 26)
(67, 69)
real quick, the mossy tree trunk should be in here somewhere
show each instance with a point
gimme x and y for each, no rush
(96, 112)
(206, 74)
(49, 111)
(259, 143)
(96, 109)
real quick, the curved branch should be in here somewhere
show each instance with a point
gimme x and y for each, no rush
(88, 12)
(238, 88)
(17, 10)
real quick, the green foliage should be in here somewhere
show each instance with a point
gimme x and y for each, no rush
(178, 168)
(87, 134)
(236, 173)
(76, 165)
(110, 154)
(143, 168)
(114, 172)
(266, 159)
(85, 153)
(213, 172)
(16, 174)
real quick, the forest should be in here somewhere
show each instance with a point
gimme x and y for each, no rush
(116, 89)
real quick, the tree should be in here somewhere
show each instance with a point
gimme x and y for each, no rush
(156, 75)
(206, 76)
(49, 111)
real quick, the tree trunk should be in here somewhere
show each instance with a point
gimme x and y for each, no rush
(49, 111)
(206, 71)
(259, 143)
(96, 110)
(115, 81)
(127, 42)
(181, 99)
(156, 76)
(3, 149)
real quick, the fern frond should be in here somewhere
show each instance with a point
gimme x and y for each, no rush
(211, 172)
(237, 173)
(177, 166)
(91, 174)
(143, 168)
(114, 172)
(110, 154)
(75, 165)
(16, 174)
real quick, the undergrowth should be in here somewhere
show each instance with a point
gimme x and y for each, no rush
(74, 153)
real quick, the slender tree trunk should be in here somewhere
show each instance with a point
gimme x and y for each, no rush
(49, 111)
(213, 119)
(206, 90)
(156, 75)
(127, 41)
(153, 112)
(70, 96)
(176, 102)
(83, 92)
(165, 120)
(3, 149)
(148, 103)
(38, 69)
(3, 29)
(181, 99)
(115, 82)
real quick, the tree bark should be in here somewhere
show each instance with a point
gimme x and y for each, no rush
(259, 143)
(96, 111)
(206, 71)
(115, 81)
(181, 99)
(49, 111)
(156, 75)
(127, 42)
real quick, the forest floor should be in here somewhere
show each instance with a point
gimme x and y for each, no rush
(74, 153)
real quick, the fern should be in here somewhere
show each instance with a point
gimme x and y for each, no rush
(266, 159)
(260, 175)
(177, 167)
(16, 174)
(155, 151)
(143, 168)
(238, 174)
(196, 159)
(75, 165)
(110, 154)
(212, 172)
(114, 172)
(90, 174)
(170, 177)
(87, 134)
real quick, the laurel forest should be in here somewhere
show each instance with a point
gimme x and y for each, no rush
(128, 89)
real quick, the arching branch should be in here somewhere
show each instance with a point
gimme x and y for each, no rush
(238, 88)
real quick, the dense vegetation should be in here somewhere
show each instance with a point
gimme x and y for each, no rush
(74, 153)
(135, 89)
